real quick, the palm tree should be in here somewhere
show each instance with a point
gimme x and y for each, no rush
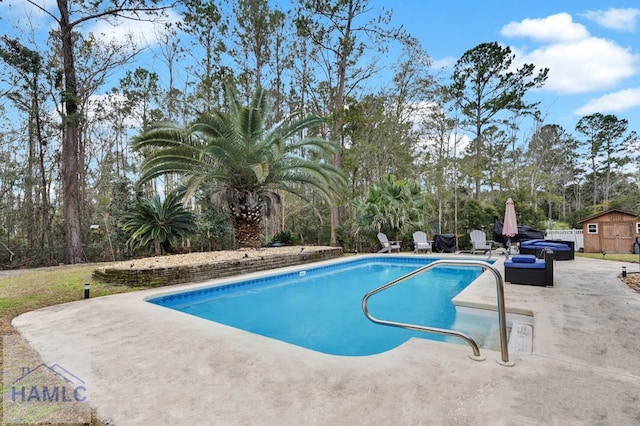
(246, 165)
(394, 206)
(158, 223)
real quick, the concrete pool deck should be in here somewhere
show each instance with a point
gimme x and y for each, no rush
(152, 365)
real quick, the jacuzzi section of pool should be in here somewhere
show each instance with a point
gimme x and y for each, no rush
(321, 308)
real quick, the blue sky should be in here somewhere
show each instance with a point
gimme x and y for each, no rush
(592, 48)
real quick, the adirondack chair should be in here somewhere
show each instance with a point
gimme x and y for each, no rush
(387, 246)
(479, 242)
(420, 242)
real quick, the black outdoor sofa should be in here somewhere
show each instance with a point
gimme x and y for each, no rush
(530, 270)
(563, 250)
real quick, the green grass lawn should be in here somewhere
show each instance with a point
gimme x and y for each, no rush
(619, 257)
(24, 291)
(28, 290)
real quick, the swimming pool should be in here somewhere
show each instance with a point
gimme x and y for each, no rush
(319, 308)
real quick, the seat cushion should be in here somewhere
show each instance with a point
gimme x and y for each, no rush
(538, 264)
(530, 242)
(547, 243)
(524, 258)
(554, 246)
(538, 244)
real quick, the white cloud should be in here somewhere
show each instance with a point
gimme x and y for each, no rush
(612, 102)
(17, 17)
(120, 30)
(577, 61)
(461, 142)
(117, 30)
(615, 19)
(443, 63)
(583, 66)
(554, 28)
(22, 8)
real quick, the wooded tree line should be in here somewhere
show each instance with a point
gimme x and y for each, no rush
(418, 150)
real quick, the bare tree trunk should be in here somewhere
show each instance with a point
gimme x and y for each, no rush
(70, 136)
(478, 159)
(595, 187)
(46, 231)
(338, 105)
(29, 205)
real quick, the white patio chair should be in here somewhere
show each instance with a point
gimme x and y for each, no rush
(420, 242)
(479, 242)
(387, 246)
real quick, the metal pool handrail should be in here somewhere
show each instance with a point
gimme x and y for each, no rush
(450, 262)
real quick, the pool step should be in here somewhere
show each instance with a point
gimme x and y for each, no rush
(520, 339)
(487, 335)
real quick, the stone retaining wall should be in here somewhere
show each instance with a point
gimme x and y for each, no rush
(158, 277)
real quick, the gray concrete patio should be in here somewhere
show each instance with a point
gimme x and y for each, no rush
(154, 366)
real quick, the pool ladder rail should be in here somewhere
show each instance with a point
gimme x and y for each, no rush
(504, 348)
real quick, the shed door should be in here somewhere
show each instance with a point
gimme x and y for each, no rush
(617, 237)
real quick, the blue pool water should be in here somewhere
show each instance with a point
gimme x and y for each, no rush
(321, 308)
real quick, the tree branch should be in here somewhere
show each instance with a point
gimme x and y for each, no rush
(37, 6)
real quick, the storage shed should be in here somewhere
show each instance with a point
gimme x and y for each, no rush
(613, 231)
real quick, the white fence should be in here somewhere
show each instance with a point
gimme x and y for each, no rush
(574, 235)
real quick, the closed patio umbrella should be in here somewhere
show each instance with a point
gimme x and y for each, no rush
(510, 226)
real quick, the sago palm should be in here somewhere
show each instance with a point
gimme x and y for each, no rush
(158, 224)
(246, 164)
